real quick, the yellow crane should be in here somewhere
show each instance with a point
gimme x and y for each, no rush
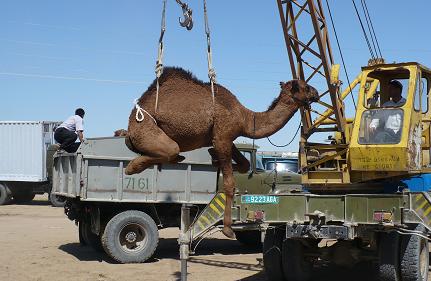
(357, 154)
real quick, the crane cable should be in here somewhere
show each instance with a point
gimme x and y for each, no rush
(341, 54)
(211, 70)
(364, 31)
(372, 31)
(367, 20)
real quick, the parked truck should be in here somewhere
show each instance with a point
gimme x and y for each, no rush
(26, 149)
(122, 214)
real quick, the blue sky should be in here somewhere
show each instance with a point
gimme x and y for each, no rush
(100, 55)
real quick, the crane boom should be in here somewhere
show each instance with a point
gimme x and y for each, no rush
(311, 59)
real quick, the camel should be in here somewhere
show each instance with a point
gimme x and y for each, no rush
(188, 119)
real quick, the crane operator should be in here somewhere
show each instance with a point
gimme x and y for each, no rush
(386, 127)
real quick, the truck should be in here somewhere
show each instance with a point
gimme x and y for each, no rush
(121, 214)
(27, 148)
(280, 160)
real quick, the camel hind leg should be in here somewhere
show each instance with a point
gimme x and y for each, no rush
(156, 147)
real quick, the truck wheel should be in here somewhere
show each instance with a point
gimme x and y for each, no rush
(4, 194)
(249, 238)
(389, 257)
(81, 234)
(272, 256)
(130, 237)
(88, 237)
(295, 266)
(414, 259)
(24, 197)
(56, 200)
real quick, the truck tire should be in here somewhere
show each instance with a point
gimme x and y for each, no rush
(81, 234)
(88, 237)
(295, 265)
(4, 194)
(130, 237)
(24, 197)
(56, 200)
(272, 254)
(389, 269)
(251, 238)
(414, 260)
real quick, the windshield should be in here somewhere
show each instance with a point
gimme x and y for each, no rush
(259, 163)
(381, 126)
(283, 166)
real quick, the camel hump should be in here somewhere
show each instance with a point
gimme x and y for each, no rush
(173, 72)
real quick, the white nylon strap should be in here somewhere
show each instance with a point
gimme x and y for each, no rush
(140, 116)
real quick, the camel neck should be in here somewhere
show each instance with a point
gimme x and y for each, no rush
(263, 124)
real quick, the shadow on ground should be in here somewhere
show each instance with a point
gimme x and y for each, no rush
(85, 253)
(32, 203)
(320, 272)
(168, 248)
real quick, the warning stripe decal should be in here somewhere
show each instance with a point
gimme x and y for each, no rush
(422, 207)
(212, 214)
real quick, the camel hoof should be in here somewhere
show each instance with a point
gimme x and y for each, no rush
(228, 232)
(130, 171)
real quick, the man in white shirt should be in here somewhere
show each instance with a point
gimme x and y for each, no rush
(392, 120)
(67, 133)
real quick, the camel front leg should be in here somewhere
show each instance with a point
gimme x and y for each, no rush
(229, 188)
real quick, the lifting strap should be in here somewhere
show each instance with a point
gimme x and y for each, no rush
(159, 62)
(211, 70)
(187, 23)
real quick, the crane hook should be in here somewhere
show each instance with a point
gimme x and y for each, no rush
(187, 22)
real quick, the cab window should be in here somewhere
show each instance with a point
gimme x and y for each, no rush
(386, 79)
(259, 163)
(247, 155)
(381, 126)
(425, 86)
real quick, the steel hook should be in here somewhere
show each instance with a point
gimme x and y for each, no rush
(187, 22)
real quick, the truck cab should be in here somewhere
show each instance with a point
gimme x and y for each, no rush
(258, 180)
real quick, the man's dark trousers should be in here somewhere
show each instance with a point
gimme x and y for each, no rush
(66, 139)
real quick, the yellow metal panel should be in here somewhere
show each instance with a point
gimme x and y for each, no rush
(378, 158)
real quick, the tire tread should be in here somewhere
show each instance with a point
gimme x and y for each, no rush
(109, 245)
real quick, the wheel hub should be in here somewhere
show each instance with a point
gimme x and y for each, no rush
(131, 237)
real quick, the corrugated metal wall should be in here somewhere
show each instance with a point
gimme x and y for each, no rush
(22, 150)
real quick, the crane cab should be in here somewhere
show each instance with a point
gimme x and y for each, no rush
(391, 135)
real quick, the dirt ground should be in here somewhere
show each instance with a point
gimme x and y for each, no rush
(38, 242)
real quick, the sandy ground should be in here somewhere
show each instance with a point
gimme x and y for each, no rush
(38, 242)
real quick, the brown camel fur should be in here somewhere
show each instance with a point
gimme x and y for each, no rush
(120, 133)
(188, 119)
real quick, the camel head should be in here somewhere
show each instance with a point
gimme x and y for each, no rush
(300, 92)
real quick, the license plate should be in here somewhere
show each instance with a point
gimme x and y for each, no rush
(259, 199)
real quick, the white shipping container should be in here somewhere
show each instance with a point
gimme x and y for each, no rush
(23, 147)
